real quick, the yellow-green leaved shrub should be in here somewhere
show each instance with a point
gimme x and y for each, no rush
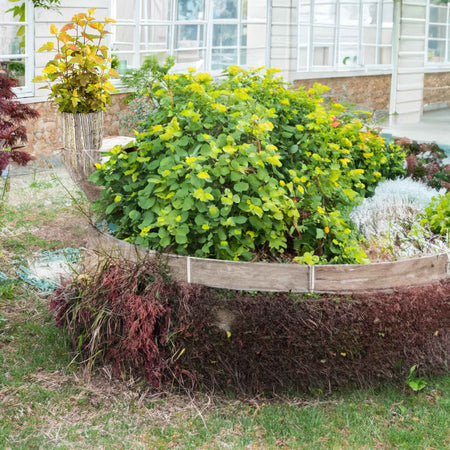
(244, 168)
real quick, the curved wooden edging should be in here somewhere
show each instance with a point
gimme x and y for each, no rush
(272, 277)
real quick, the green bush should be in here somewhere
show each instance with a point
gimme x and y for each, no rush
(437, 215)
(244, 168)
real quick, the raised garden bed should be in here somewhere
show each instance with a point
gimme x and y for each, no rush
(272, 277)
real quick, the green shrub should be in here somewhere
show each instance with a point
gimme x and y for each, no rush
(244, 168)
(437, 215)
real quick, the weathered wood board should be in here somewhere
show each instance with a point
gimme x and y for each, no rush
(273, 277)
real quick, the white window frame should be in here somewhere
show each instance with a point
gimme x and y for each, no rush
(337, 69)
(28, 89)
(438, 66)
(208, 22)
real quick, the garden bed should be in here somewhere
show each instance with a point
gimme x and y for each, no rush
(272, 277)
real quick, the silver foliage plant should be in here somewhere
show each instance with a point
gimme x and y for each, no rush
(391, 219)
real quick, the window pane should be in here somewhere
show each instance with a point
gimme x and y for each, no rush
(254, 9)
(122, 37)
(305, 12)
(154, 38)
(350, 15)
(325, 14)
(322, 34)
(190, 9)
(348, 55)
(369, 55)
(222, 58)
(188, 36)
(349, 34)
(369, 35)
(253, 57)
(225, 9)
(253, 35)
(438, 14)
(385, 55)
(195, 58)
(437, 31)
(436, 51)
(386, 36)
(153, 9)
(370, 12)
(323, 56)
(388, 14)
(124, 10)
(160, 57)
(224, 35)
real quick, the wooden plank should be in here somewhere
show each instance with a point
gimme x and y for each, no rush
(109, 246)
(283, 277)
(249, 276)
(378, 276)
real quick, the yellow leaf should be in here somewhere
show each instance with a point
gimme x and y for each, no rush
(67, 26)
(53, 29)
(64, 37)
(72, 47)
(228, 334)
(50, 69)
(113, 73)
(47, 47)
(109, 87)
(91, 11)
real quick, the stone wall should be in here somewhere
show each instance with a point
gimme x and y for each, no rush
(372, 92)
(369, 93)
(436, 88)
(44, 135)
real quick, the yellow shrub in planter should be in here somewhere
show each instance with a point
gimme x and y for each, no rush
(79, 73)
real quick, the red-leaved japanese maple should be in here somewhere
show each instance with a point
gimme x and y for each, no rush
(12, 131)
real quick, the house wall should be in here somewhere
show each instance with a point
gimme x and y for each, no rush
(283, 28)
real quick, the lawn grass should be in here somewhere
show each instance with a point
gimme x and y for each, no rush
(48, 401)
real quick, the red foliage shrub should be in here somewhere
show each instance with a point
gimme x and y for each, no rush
(225, 340)
(12, 116)
(279, 341)
(120, 316)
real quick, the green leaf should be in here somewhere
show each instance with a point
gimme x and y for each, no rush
(241, 186)
(134, 215)
(181, 238)
(320, 234)
(146, 202)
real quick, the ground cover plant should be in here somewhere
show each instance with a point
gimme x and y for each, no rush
(134, 318)
(244, 168)
(393, 223)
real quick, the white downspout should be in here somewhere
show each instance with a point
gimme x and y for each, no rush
(395, 52)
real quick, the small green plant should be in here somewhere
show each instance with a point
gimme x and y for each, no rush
(78, 75)
(415, 383)
(437, 215)
(244, 168)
